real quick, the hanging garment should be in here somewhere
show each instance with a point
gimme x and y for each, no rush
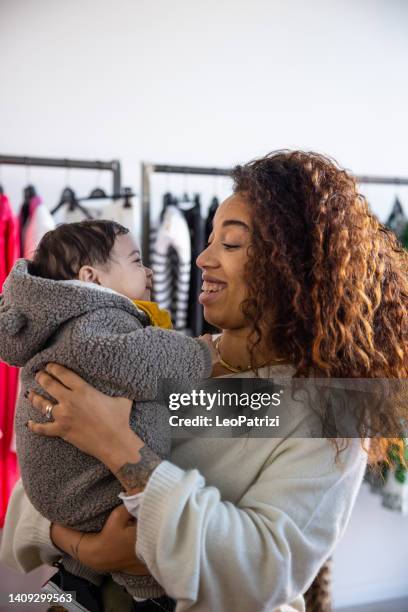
(397, 220)
(9, 239)
(207, 327)
(192, 214)
(9, 252)
(37, 223)
(123, 212)
(69, 209)
(172, 275)
(168, 200)
(210, 217)
(167, 281)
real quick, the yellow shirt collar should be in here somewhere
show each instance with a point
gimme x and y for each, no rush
(158, 316)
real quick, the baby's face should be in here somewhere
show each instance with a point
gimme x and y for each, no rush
(126, 273)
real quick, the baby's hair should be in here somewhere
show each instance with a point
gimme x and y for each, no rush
(63, 251)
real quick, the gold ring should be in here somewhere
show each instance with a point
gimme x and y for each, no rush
(48, 411)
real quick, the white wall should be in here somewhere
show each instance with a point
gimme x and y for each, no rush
(371, 561)
(216, 82)
(203, 81)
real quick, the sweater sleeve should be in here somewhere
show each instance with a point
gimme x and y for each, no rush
(26, 541)
(260, 553)
(137, 360)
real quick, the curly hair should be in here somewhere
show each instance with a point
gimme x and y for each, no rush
(327, 282)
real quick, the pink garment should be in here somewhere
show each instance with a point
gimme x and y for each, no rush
(35, 221)
(9, 252)
(27, 211)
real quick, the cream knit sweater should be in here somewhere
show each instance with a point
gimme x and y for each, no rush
(229, 524)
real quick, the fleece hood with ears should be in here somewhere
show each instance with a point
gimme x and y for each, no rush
(32, 309)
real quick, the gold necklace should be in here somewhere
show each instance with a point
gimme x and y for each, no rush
(235, 370)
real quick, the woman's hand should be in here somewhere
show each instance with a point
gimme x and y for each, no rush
(95, 423)
(111, 550)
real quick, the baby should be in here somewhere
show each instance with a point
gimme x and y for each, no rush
(83, 302)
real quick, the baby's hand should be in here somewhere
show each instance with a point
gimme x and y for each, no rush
(207, 338)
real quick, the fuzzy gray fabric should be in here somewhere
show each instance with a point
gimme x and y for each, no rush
(105, 339)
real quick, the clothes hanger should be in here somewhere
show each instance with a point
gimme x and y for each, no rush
(29, 193)
(100, 194)
(168, 200)
(97, 193)
(69, 198)
(127, 196)
(187, 203)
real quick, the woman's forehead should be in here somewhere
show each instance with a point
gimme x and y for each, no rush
(233, 208)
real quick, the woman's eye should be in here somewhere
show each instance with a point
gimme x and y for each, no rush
(230, 246)
(226, 245)
(138, 261)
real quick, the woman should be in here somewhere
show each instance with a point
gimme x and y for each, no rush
(303, 281)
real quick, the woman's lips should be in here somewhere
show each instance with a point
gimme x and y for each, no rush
(211, 291)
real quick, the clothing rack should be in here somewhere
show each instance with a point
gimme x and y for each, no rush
(54, 162)
(147, 171)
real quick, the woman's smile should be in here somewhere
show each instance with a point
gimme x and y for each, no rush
(211, 289)
(211, 292)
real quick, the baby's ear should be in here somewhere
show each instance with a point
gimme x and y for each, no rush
(88, 274)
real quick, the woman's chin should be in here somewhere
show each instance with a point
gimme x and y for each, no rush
(214, 318)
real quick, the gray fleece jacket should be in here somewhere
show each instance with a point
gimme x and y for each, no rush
(104, 338)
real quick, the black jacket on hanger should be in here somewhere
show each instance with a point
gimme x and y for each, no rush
(206, 327)
(196, 226)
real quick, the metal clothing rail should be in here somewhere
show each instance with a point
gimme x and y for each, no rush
(382, 180)
(54, 162)
(149, 169)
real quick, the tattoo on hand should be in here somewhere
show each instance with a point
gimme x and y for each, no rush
(136, 475)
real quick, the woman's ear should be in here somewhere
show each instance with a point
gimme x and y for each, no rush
(87, 274)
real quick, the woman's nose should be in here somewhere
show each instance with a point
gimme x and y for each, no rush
(206, 259)
(149, 272)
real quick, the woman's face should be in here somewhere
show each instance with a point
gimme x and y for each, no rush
(223, 263)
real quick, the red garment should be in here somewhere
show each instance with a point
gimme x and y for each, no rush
(9, 252)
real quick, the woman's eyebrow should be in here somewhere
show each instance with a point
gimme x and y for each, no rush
(135, 252)
(228, 222)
